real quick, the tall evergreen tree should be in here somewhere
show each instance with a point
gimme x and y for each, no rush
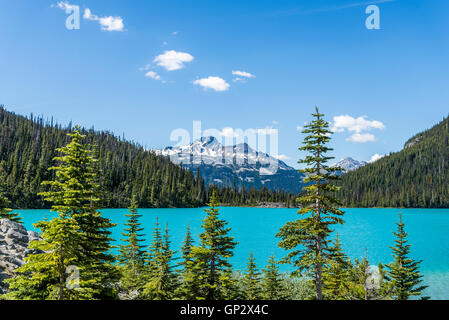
(211, 258)
(404, 271)
(132, 256)
(252, 280)
(273, 287)
(319, 209)
(74, 193)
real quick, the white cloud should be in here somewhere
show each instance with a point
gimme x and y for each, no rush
(109, 23)
(147, 67)
(173, 60)
(153, 75)
(229, 132)
(242, 74)
(214, 83)
(174, 33)
(275, 122)
(362, 138)
(281, 157)
(357, 125)
(376, 157)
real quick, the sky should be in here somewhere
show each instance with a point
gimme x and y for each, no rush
(143, 69)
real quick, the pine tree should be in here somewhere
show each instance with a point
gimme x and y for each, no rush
(319, 209)
(336, 271)
(186, 249)
(132, 255)
(211, 258)
(404, 271)
(273, 287)
(5, 212)
(252, 280)
(162, 279)
(74, 193)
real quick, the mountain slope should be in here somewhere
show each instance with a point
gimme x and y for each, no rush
(224, 165)
(28, 146)
(417, 176)
(349, 164)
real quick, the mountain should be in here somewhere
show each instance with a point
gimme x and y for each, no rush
(222, 165)
(349, 164)
(416, 176)
(28, 146)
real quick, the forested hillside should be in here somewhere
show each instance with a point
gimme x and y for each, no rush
(417, 176)
(28, 146)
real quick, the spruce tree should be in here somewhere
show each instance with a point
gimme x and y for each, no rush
(404, 271)
(74, 193)
(307, 238)
(162, 280)
(336, 271)
(273, 287)
(252, 280)
(132, 256)
(186, 249)
(211, 258)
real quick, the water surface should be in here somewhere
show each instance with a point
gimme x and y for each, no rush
(366, 231)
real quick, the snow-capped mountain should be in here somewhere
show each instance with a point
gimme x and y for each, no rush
(349, 164)
(220, 164)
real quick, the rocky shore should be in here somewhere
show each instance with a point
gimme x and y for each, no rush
(14, 240)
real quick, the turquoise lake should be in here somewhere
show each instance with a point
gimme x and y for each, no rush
(365, 231)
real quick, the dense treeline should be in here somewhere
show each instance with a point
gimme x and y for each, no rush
(242, 197)
(28, 146)
(417, 176)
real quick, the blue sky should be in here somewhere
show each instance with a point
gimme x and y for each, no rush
(145, 68)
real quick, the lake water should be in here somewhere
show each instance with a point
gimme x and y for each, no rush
(365, 231)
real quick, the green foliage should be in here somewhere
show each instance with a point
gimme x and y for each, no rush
(415, 177)
(336, 271)
(208, 270)
(132, 256)
(44, 275)
(234, 196)
(404, 271)
(273, 287)
(162, 280)
(365, 282)
(307, 238)
(252, 283)
(5, 212)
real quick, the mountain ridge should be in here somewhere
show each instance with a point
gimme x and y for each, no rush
(240, 164)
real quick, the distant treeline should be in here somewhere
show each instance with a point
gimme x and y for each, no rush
(417, 176)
